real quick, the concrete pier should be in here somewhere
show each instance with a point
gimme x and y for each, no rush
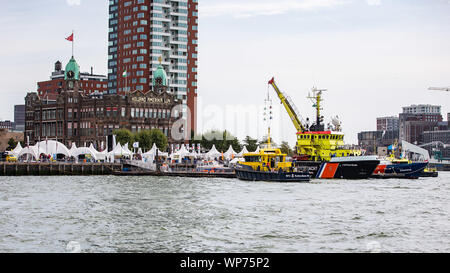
(51, 169)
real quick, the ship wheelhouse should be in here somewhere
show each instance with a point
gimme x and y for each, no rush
(267, 160)
(322, 145)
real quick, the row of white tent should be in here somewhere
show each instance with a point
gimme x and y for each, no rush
(51, 147)
(212, 154)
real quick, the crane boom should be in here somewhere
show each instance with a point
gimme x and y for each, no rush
(290, 108)
(439, 88)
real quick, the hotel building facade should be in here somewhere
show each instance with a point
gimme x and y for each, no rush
(146, 33)
(75, 116)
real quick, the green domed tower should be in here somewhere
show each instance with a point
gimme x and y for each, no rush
(160, 80)
(72, 73)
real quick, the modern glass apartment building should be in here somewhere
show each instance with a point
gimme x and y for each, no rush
(145, 33)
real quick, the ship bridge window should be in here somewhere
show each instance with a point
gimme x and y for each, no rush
(252, 159)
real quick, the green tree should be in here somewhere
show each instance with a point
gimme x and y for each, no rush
(145, 139)
(221, 139)
(265, 141)
(12, 144)
(252, 144)
(124, 136)
(286, 149)
(159, 138)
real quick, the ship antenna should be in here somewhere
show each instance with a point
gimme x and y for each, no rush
(268, 116)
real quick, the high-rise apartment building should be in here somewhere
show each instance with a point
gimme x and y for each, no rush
(146, 33)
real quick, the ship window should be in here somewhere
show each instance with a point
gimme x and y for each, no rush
(252, 159)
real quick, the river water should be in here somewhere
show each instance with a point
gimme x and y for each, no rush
(148, 214)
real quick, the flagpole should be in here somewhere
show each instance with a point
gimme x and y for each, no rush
(73, 41)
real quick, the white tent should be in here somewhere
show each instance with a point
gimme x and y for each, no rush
(84, 151)
(243, 152)
(51, 147)
(119, 151)
(99, 155)
(16, 150)
(34, 151)
(213, 153)
(257, 150)
(182, 153)
(102, 155)
(152, 152)
(127, 151)
(73, 148)
(230, 153)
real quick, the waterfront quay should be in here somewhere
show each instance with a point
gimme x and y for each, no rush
(58, 169)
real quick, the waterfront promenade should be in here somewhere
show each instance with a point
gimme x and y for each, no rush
(58, 168)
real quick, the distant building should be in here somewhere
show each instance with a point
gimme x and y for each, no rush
(89, 82)
(416, 119)
(74, 116)
(448, 120)
(388, 124)
(441, 136)
(7, 124)
(372, 141)
(422, 109)
(19, 118)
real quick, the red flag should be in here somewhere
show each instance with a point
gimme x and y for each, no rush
(70, 38)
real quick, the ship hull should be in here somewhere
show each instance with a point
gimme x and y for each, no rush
(249, 175)
(341, 168)
(411, 171)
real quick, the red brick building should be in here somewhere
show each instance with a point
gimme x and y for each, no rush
(146, 33)
(90, 83)
(73, 116)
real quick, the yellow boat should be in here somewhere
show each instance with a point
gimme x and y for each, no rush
(269, 165)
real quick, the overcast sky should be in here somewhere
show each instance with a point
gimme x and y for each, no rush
(373, 56)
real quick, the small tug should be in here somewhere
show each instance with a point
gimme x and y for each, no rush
(392, 167)
(269, 164)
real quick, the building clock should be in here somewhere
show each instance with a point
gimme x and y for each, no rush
(70, 74)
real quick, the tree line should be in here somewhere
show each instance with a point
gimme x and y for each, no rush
(146, 138)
